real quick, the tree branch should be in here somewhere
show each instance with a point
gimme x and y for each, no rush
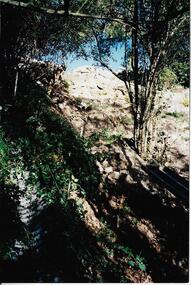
(62, 12)
(99, 59)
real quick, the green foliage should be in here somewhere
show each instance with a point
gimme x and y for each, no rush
(140, 262)
(137, 263)
(7, 253)
(131, 263)
(126, 250)
(126, 120)
(115, 30)
(78, 101)
(177, 73)
(182, 71)
(126, 210)
(4, 157)
(134, 221)
(134, 260)
(185, 101)
(175, 114)
(168, 79)
(55, 157)
(104, 135)
(103, 93)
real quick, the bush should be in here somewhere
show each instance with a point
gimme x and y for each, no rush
(182, 71)
(167, 79)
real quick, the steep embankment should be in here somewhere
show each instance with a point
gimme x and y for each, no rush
(138, 208)
(101, 217)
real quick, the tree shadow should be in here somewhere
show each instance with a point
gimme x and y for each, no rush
(170, 218)
(10, 224)
(45, 137)
(51, 259)
(166, 213)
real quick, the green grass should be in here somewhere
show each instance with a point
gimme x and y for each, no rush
(185, 102)
(104, 135)
(175, 114)
(126, 120)
(102, 93)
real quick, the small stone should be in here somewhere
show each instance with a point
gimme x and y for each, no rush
(105, 163)
(62, 105)
(122, 156)
(123, 165)
(113, 202)
(99, 166)
(123, 172)
(101, 186)
(145, 185)
(114, 176)
(94, 149)
(129, 179)
(109, 169)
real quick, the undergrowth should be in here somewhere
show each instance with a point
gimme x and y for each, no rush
(103, 136)
(40, 148)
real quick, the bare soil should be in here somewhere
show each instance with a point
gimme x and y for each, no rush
(103, 103)
(140, 213)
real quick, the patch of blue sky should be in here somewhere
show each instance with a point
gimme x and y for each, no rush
(115, 60)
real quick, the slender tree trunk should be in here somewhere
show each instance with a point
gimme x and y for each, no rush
(135, 72)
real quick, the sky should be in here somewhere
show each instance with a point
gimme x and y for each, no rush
(72, 62)
(115, 63)
(115, 60)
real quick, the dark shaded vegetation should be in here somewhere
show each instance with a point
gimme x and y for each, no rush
(35, 138)
(54, 155)
(56, 258)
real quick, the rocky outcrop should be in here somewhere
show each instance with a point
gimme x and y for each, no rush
(107, 106)
(104, 85)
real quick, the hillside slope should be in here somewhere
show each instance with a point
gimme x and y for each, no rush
(84, 208)
(103, 103)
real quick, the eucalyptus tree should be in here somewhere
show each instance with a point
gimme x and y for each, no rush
(151, 27)
(158, 24)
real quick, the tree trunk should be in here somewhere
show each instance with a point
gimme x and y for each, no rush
(135, 72)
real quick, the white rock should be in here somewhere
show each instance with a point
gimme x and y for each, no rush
(109, 169)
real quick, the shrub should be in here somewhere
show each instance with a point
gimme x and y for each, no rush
(182, 71)
(167, 79)
(185, 102)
